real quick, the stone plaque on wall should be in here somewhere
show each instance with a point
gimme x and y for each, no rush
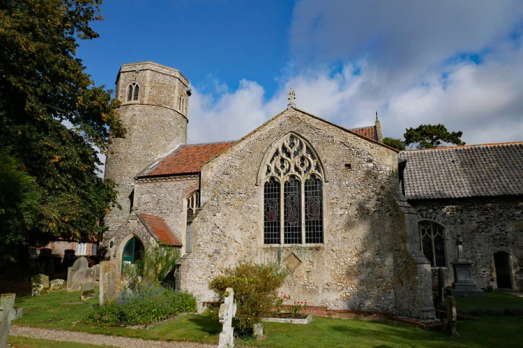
(292, 262)
(110, 283)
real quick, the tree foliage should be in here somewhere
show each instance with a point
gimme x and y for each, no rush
(394, 143)
(431, 136)
(43, 88)
(254, 291)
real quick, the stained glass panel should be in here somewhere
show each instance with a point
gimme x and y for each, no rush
(292, 211)
(272, 212)
(313, 211)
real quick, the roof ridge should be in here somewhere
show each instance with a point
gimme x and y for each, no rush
(214, 142)
(466, 146)
(152, 216)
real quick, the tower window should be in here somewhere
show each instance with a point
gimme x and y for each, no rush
(133, 92)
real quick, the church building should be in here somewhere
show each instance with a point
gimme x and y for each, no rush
(358, 225)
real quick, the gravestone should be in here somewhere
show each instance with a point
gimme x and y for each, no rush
(227, 313)
(96, 273)
(463, 283)
(40, 284)
(7, 314)
(56, 284)
(87, 291)
(441, 288)
(452, 317)
(110, 282)
(77, 274)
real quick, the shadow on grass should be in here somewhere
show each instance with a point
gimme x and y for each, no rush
(207, 324)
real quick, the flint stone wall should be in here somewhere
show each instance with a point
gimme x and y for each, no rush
(155, 126)
(353, 269)
(487, 225)
(166, 197)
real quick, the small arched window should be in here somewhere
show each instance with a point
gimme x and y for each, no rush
(133, 92)
(193, 203)
(293, 196)
(432, 237)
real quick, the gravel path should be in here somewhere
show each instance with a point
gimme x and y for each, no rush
(87, 338)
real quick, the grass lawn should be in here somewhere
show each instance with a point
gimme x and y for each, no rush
(23, 342)
(60, 310)
(496, 301)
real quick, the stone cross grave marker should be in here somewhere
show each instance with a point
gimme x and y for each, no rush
(452, 316)
(110, 283)
(7, 314)
(77, 274)
(227, 313)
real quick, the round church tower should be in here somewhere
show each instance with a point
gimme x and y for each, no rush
(154, 110)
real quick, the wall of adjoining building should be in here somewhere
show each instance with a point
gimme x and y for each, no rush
(487, 225)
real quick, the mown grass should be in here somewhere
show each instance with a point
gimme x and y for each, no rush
(497, 303)
(53, 311)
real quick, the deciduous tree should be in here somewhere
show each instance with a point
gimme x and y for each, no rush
(52, 118)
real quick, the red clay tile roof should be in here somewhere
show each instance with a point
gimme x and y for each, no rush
(187, 159)
(161, 229)
(369, 132)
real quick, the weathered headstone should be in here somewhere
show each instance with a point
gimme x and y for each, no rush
(227, 313)
(87, 291)
(7, 314)
(40, 284)
(463, 283)
(441, 288)
(56, 284)
(96, 271)
(110, 283)
(77, 274)
(452, 316)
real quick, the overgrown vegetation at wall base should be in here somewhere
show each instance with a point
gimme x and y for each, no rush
(145, 306)
(254, 291)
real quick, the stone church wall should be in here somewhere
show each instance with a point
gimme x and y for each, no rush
(353, 269)
(166, 198)
(487, 226)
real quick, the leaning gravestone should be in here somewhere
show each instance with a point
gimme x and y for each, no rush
(110, 283)
(227, 312)
(40, 284)
(87, 291)
(452, 316)
(77, 274)
(7, 314)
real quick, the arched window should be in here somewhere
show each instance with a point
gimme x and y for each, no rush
(193, 203)
(293, 195)
(432, 238)
(133, 92)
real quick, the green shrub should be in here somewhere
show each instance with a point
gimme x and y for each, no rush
(254, 291)
(152, 267)
(147, 305)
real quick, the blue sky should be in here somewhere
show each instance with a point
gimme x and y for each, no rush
(458, 63)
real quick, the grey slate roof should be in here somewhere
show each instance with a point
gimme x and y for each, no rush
(464, 171)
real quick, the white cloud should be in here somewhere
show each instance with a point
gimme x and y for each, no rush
(401, 58)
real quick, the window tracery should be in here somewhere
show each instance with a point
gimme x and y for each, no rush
(432, 240)
(293, 195)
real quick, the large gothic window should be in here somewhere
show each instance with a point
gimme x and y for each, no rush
(293, 194)
(133, 92)
(432, 238)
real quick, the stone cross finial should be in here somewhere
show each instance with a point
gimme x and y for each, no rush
(7, 314)
(227, 312)
(292, 97)
(377, 117)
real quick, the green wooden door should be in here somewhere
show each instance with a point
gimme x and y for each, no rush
(129, 252)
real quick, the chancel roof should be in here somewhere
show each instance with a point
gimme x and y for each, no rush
(160, 228)
(464, 171)
(370, 132)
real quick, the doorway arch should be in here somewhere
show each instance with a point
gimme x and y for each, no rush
(503, 274)
(132, 251)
